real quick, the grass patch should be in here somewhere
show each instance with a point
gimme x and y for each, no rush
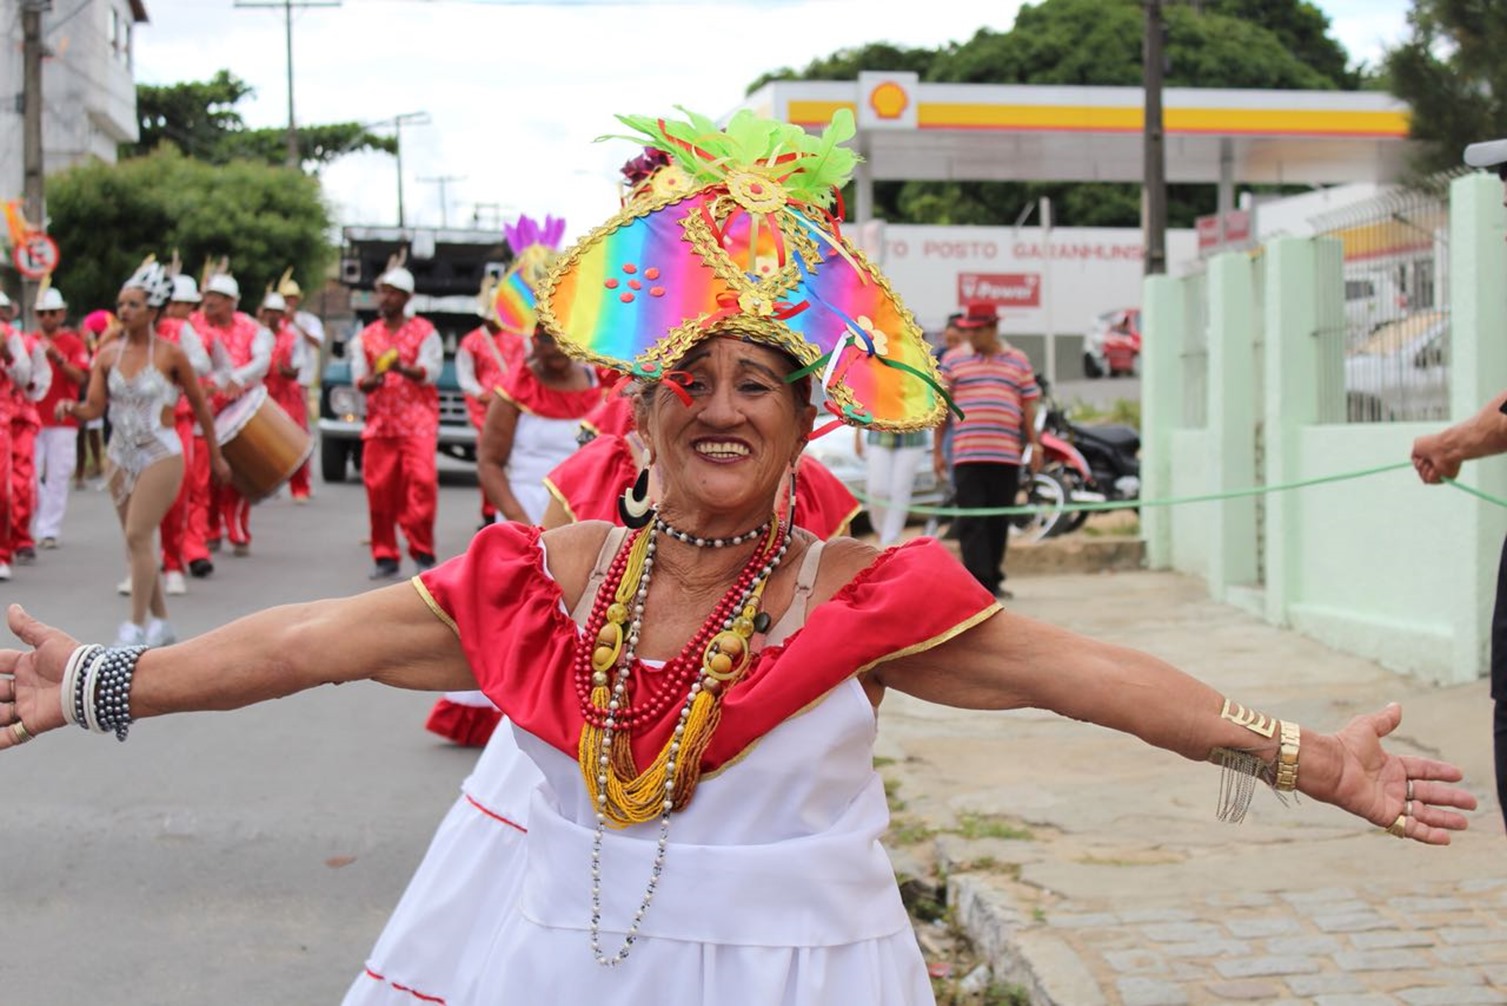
(880, 761)
(1122, 410)
(907, 831)
(983, 826)
(892, 795)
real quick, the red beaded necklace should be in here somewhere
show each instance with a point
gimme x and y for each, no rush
(671, 681)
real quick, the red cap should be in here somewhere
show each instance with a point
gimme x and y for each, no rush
(979, 314)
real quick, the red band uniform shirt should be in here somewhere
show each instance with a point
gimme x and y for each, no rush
(400, 436)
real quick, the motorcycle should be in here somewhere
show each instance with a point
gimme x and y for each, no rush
(1096, 463)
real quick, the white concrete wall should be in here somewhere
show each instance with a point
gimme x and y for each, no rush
(1380, 566)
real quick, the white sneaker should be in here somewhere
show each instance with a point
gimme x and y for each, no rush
(160, 633)
(123, 588)
(4, 571)
(173, 583)
(130, 634)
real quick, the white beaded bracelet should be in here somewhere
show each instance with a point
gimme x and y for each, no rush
(68, 687)
(91, 684)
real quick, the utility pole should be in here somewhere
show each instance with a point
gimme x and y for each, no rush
(287, 7)
(442, 181)
(1154, 184)
(397, 122)
(31, 134)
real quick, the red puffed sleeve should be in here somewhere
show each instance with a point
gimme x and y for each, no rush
(506, 609)
(589, 482)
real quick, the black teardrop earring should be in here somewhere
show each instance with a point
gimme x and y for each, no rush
(633, 506)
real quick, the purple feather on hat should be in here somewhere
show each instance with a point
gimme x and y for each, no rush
(528, 232)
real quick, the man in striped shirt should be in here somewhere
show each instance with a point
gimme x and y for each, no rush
(995, 387)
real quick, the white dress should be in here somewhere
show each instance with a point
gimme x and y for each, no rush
(500, 909)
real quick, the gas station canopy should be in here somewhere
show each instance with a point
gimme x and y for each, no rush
(1024, 132)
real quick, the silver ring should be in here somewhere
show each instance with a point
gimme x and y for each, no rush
(1410, 789)
(18, 732)
(1407, 810)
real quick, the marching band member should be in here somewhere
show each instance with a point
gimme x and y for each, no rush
(24, 426)
(247, 346)
(175, 327)
(15, 372)
(57, 443)
(310, 331)
(289, 353)
(395, 362)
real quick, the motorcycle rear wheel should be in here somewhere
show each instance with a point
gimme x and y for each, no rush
(1046, 491)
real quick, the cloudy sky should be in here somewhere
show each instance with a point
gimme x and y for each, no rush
(516, 92)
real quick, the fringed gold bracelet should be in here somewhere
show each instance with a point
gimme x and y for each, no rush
(1242, 769)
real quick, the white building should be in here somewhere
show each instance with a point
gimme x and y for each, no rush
(88, 84)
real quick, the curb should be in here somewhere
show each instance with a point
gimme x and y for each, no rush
(1050, 971)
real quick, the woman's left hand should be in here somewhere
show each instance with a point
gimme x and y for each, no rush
(220, 469)
(1385, 788)
(30, 679)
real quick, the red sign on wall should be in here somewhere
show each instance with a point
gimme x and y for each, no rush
(1008, 289)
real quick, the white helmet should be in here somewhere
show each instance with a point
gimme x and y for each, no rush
(185, 289)
(398, 278)
(52, 300)
(224, 284)
(274, 302)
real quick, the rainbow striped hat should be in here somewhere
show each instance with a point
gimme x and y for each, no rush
(744, 243)
(534, 246)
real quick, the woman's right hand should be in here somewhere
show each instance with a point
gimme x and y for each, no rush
(62, 410)
(30, 679)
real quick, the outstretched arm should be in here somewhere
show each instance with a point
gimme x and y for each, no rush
(1009, 661)
(388, 635)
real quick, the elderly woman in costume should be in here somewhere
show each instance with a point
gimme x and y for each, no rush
(697, 692)
(138, 377)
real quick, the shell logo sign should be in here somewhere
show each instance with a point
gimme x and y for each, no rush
(887, 100)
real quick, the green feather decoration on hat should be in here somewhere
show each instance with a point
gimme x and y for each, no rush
(814, 166)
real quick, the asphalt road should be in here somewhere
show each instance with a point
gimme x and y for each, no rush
(246, 857)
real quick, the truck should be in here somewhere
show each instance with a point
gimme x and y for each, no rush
(448, 266)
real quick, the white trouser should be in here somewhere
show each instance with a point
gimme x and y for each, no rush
(892, 476)
(55, 451)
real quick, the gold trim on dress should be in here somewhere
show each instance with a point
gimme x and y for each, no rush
(434, 606)
(554, 491)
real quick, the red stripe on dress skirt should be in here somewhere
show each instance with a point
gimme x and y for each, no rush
(494, 815)
(404, 988)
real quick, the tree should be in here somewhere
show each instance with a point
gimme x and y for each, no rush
(107, 218)
(200, 119)
(1451, 71)
(1281, 44)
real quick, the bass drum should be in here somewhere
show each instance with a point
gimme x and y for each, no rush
(262, 445)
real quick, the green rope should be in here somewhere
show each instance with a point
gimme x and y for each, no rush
(941, 511)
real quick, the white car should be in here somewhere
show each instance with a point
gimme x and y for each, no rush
(1400, 371)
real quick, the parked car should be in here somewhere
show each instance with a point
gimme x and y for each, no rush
(1400, 371)
(1112, 344)
(1372, 299)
